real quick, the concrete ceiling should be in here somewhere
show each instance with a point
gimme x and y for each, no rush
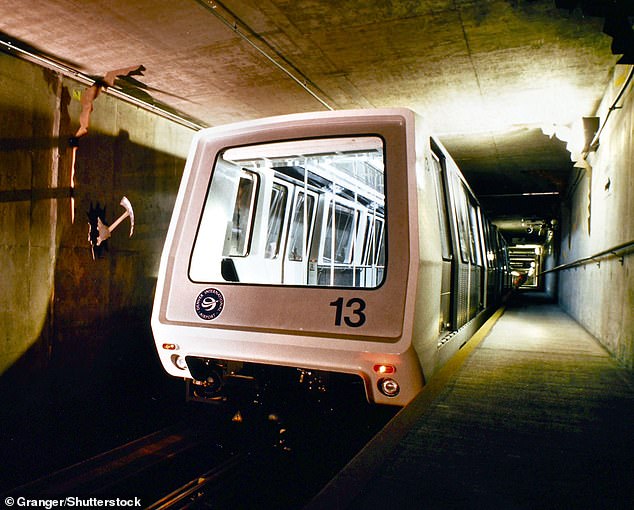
(487, 74)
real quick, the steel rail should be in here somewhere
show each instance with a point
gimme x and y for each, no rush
(193, 489)
(614, 251)
(111, 467)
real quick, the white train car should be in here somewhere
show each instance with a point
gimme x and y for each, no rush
(336, 242)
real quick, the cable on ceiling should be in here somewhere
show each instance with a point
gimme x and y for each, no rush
(248, 35)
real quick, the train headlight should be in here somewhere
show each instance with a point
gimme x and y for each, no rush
(389, 387)
(179, 362)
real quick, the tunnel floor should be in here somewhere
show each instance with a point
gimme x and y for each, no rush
(538, 416)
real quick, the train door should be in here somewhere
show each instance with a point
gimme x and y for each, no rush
(438, 163)
(239, 235)
(489, 286)
(277, 226)
(466, 277)
(469, 240)
(340, 244)
(373, 255)
(300, 234)
(479, 254)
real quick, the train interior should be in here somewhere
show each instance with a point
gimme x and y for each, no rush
(308, 212)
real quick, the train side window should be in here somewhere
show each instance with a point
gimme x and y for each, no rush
(462, 217)
(344, 231)
(443, 220)
(237, 243)
(490, 244)
(367, 243)
(277, 212)
(379, 242)
(375, 247)
(300, 236)
(476, 242)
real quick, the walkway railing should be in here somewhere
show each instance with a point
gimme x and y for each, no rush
(617, 251)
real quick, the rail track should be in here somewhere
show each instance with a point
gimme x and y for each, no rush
(194, 490)
(212, 461)
(120, 469)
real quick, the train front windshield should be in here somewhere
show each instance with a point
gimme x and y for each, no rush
(304, 212)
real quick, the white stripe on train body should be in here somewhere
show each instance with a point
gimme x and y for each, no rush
(315, 241)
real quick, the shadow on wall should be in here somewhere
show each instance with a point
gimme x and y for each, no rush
(74, 327)
(78, 369)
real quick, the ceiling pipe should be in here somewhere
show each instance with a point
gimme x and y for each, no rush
(614, 106)
(247, 34)
(69, 72)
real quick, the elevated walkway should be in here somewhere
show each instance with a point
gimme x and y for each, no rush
(535, 414)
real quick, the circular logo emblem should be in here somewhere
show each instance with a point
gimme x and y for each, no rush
(209, 304)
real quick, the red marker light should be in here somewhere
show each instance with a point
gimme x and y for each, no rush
(384, 369)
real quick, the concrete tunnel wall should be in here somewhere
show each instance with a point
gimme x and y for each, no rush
(598, 216)
(61, 311)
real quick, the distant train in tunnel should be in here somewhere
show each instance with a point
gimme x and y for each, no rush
(343, 242)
